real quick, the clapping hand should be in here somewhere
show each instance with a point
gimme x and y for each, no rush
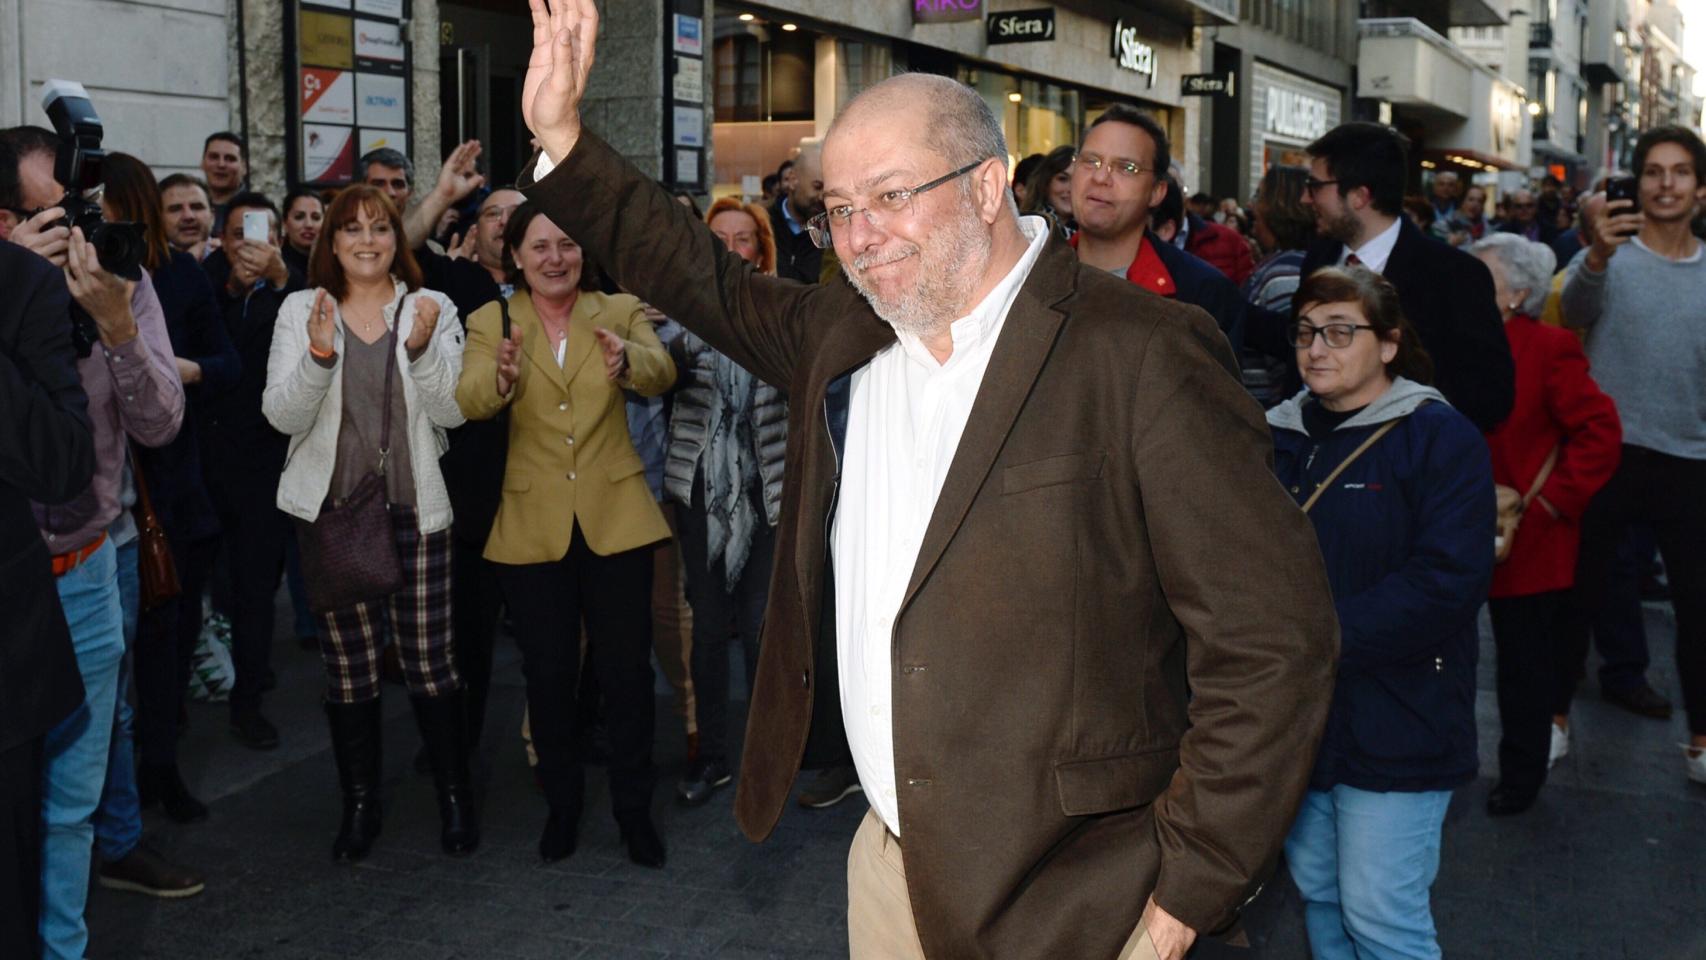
(615, 353)
(322, 324)
(426, 321)
(509, 361)
(565, 33)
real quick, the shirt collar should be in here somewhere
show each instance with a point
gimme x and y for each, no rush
(788, 217)
(985, 320)
(1377, 249)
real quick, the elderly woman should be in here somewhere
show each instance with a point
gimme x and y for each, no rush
(362, 378)
(1399, 489)
(726, 441)
(1558, 447)
(577, 522)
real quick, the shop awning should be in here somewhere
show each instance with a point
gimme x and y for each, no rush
(1199, 13)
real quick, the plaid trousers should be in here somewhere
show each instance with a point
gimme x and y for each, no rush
(418, 618)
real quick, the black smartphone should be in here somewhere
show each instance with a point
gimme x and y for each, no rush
(1624, 188)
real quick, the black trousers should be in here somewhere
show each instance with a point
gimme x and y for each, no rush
(165, 646)
(1534, 668)
(20, 849)
(474, 603)
(255, 532)
(547, 603)
(1666, 493)
(720, 615)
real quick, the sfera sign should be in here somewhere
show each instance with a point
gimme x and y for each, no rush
(1133, 54)
(1209, 84)
(1021, 26)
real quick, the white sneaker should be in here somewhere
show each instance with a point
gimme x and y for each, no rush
(1560, 746)
(1694, 759)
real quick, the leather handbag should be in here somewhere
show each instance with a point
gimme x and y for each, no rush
(1513, 505)
(156, 572)
(349, 553)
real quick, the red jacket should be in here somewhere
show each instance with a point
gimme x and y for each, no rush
(1223, 247)
(1556, 401)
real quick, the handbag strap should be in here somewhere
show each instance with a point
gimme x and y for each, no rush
(390, 371)
(1544, 475)
(1321, 487)
(150, 518)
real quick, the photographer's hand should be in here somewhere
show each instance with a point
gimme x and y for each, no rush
(41, 235)
(106, 297)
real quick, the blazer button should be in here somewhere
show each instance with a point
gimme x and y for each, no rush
(569, 441)
(563, 406)
(571, 474)
(805, 678)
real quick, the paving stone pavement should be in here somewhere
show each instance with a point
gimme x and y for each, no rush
(1610, 864)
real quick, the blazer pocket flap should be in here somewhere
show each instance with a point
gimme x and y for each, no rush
(624, 465)
(1121, 782)
(517, 484)
(1052, 470)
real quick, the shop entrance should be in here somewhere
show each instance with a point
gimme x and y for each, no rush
(483, 50)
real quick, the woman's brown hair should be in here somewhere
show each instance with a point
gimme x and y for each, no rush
(515, 233)
(1379, 302)
(134, 196)
(323, 267)
(1279, 200)
(766, 240)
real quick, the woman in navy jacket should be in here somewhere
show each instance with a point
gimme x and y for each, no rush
(1406, 531)
(207, 361)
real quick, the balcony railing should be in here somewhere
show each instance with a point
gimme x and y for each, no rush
(1540, 35)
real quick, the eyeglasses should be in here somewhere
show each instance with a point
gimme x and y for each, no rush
(886, 204)
(1311, 185)
(1091, 163)
(1337, 335)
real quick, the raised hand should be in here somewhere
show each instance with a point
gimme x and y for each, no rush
(43, 236)
(564, 35)
(105, 296)
(322, 324)
(509, 361)
(459, 176)
(615, 353)
(426, 321)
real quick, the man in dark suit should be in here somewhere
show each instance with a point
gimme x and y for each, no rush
(1356, 185)
(993, 519)
(47, 454)
(797, 258)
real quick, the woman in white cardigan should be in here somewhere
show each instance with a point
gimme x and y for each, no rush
(327, 380)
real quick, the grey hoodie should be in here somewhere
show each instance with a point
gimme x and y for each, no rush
(1399, 400)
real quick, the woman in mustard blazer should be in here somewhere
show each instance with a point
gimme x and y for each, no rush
(576, 519)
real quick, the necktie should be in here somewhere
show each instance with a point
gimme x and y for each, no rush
(1353, 261)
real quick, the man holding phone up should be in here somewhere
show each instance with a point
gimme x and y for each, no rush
(1638, 291)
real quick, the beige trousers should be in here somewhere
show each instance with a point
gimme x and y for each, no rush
(879, 912)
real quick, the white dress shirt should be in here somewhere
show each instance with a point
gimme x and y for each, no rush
(1376, 250)
(906, 413)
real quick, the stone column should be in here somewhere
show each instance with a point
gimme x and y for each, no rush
(625, 99)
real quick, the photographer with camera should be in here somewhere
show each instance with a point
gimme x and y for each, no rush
(132, 382)
(46, 455)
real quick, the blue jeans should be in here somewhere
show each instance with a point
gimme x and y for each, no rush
(1364, 862)
(118, 820)
(76, 752)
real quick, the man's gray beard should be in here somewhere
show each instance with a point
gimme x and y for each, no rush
(946, 278)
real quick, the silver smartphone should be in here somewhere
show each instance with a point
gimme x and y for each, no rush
(256, 226)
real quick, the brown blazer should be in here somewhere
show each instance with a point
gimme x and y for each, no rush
(1110, 535)
(571, 460)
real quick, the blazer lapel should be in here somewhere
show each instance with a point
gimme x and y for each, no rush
(1023, 347)
(535, 345)
(582, 344)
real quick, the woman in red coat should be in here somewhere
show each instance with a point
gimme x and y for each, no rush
(1558, 407)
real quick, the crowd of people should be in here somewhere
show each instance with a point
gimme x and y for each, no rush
(434, 412)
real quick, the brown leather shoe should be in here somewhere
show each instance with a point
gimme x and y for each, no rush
(1642, 701)
(143, 870)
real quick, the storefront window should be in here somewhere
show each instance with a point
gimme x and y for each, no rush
(1036, 116)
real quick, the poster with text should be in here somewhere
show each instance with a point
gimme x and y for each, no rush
(328, 153)
(390, 9)
(378, 42)
(328, 96)
(381, 101)
(323, 40)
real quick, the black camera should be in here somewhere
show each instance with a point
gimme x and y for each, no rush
(78, 166)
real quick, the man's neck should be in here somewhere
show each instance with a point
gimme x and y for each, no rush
(1671, 239)
(1006, 247)
(1111, 253)
(223, 198)
(1370, 227)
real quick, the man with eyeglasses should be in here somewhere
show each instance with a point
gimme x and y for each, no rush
(1119, 178)
(1356, 187)
(1524, 219)
(993, 522)
(489, 227)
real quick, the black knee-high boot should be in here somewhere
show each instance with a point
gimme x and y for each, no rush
(442, 721)
(355, 745)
